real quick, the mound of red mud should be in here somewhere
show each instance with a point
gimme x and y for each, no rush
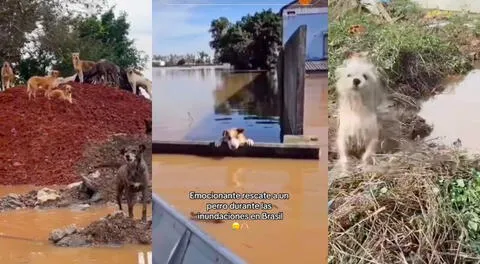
(41, 140)
(111, 230)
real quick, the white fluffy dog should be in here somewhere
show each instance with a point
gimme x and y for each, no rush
(360, 92)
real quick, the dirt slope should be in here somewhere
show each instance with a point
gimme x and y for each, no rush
(41, 141)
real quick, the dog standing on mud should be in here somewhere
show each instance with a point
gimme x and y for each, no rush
(136, 78)
(46, 83)
(7, 76)
(234, 138)
(133, 177)
(81, 66)
(360, 92)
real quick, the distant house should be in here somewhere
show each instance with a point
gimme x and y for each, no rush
(158, 63)
(315, 17)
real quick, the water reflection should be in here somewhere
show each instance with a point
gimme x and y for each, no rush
(198, 103)
(451, 112)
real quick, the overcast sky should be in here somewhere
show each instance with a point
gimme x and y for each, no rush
(139, 14)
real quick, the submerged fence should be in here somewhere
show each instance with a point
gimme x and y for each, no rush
(178, 241)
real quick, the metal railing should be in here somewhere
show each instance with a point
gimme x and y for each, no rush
(178, 241)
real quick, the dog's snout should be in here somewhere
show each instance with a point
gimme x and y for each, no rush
(127, 157)
(356, 82)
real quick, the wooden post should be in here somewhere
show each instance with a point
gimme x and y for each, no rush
(292, 80)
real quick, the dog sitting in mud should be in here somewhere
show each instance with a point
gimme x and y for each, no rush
(7, 76)
(133, 177)
(360, 92)
(234, 138)
(46, 83)
(65, 95)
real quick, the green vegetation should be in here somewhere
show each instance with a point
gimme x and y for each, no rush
(414, 57)
(250, 43)
(421, 203)
(96, 34)
(464, 194)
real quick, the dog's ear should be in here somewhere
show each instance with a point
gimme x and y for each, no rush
(240, 130)
(224, 133)
(141, 148)
(122, 151)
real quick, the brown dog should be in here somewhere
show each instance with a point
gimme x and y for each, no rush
(7, 76)
(65, 95)
(107, 72)
(234, 138)
(81, 66)
(133, 177)
(46, 83)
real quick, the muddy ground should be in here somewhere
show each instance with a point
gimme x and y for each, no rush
(116, 229)
(42, 140)
(74, 149)
(96, 185)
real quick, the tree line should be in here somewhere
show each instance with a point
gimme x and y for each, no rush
(202, 58)
(43, 34)
(253, 42)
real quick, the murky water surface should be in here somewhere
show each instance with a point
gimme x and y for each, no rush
(454, 112)
(30, 229)
(301, 237)
(199, 103)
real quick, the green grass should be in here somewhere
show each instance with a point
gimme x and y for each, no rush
(464, 201)
(414, 59)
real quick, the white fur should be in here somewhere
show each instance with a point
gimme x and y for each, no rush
(233, 143)
(138, 80)
(357, 107)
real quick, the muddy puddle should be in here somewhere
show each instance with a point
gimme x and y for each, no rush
(199, 103)
(453, 113)
(302, 233)
(24, 236)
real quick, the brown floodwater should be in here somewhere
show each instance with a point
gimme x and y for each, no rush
(453, 113)
(300, 237)
(198, 103)
(31, 229)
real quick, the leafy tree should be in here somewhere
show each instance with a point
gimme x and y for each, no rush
(203, 56)
(104, 37)
(250, 43)
(66, 26)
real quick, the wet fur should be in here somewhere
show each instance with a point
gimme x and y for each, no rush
(7, 76)
(133, 177)
(234, 138)
(357, 108)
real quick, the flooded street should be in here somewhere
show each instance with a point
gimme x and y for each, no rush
(303, 232)
(24, 236)
(199, 103)
(453, 113)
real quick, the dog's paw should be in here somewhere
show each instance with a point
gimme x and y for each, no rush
(250, 142)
